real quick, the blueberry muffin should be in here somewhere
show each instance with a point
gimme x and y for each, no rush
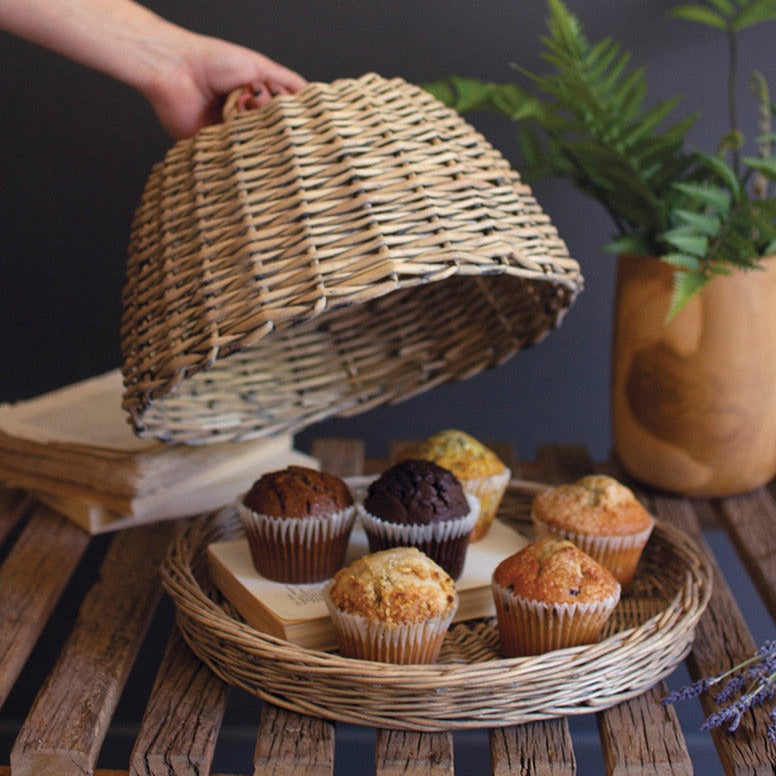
(551, 595)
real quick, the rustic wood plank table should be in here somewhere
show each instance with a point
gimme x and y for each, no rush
(98, 629)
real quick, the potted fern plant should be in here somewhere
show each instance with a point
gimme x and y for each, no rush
(694, 356)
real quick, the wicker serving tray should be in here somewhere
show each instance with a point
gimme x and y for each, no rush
(471, 687)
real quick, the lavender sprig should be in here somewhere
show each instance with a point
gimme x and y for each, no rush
(747, 684)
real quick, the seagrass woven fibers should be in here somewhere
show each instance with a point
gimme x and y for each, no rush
(471, 686)
(355, 243)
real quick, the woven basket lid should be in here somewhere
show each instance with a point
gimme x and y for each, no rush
(355, 243)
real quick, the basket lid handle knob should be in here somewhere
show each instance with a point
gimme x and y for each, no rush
(245, 98)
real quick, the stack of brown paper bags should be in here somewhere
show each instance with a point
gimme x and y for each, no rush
(75, 450)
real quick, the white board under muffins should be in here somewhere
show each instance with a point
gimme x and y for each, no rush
(297, 613)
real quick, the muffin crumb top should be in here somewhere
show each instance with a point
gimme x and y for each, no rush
(596, 504)
(555, 571)
(400, 585)
(461, 453)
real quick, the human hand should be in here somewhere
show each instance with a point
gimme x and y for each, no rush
(185, 76)
(190, 94)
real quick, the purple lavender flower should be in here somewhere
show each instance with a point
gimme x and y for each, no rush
(727, 715)
(733, 685)
(749, 683)
(687, 693)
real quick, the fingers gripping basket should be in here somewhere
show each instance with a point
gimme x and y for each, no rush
(351, 244)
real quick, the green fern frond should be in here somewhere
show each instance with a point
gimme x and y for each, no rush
(586, 118)
(686, 285)
(706, 195)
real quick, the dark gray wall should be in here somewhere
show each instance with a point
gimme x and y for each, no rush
(76, 148)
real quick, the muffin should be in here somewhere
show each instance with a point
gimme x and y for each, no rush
(551, 595)
(420, 504)
(297, 522)
(394, 606)
(601, 516)
(479, 470)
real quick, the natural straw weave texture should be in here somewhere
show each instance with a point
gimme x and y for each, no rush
(355, 243)
(471, 687)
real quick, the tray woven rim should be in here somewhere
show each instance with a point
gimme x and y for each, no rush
(443, 696)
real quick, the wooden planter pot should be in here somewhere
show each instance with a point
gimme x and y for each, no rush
(694, 401)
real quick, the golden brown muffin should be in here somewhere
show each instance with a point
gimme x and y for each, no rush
(457, 451)
(481, 472)
(555, 571)
(393, 606)
(551, 595)
(596, 504)
(601, 516)
(298, 492)
(397, 585)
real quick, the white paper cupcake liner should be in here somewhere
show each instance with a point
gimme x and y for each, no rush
(406, 643)
(619, 554)
(445, 542)
(297, 549)
(489, 491)
(533, 627)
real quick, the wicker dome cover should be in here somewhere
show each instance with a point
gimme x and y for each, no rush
(352, 244)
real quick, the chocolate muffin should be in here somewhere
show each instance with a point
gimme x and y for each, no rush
(418, 503)
(416, 492)
(479, 470)
(298, 491)
(297, 522)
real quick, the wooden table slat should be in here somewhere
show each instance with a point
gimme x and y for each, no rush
(563, 463)
(342, 457)
(542, 747)
(751, 523)
(547, 743)
(13, 505)
(722, 639)
(409, 753)
(5, 770)
(288, 743)
(641, 735)
(68, 721)
(291, 744)
(638, 735)
(644, 736)
(32, 578)
(180, 726)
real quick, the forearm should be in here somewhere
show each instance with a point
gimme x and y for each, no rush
(117, 37)
(185, 76)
